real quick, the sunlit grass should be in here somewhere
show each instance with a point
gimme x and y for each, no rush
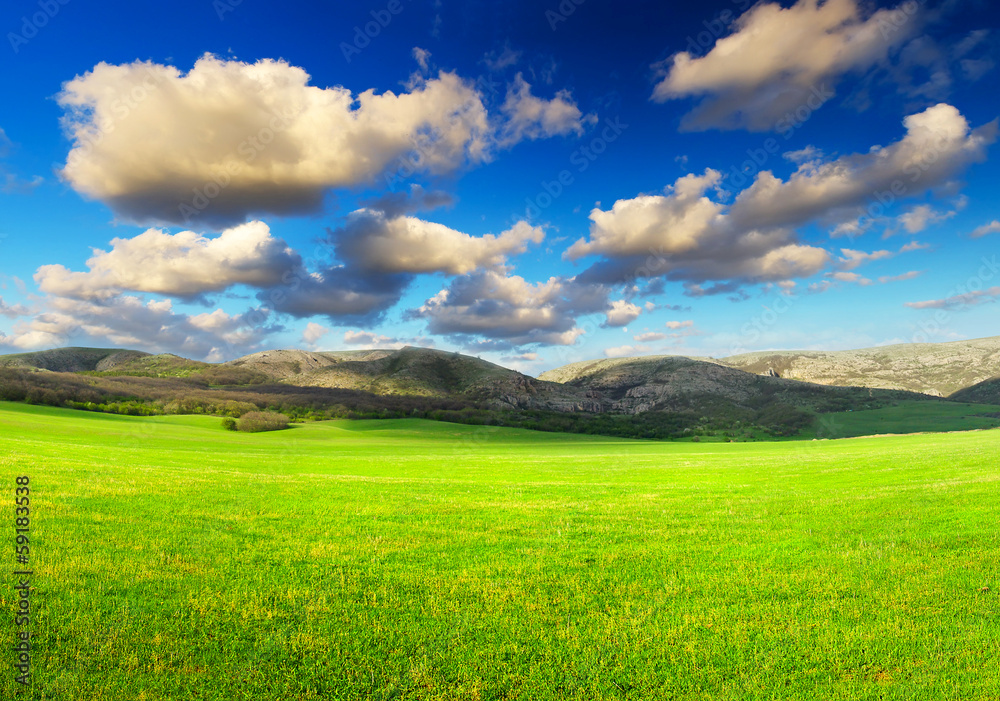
(420, 560)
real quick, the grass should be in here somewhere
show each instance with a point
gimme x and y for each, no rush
(419, 560)
(905, 417)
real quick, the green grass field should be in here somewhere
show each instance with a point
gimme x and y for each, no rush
(418, 560)
(905, 417)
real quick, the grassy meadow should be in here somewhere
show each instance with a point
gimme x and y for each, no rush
(419, 560)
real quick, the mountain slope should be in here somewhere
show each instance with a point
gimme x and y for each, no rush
(672, 383)
(412, 371)
(938, 369)
(987, 392)
(73, 359)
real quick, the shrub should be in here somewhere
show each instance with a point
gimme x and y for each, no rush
(256, 421)
(229, 423)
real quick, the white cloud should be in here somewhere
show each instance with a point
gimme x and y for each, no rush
(381, 256)
(852, 259)
(370, 340)
(228, 139)
(621, 313)
(920, 217)
(850, 277)
(625, 351)
(129, 322)
(938, 146)
(777, 60)
(992, 228)
(422, 57)
(959, 301)
(900, 278)
(685, 235)
(649, 336)
(384, 244)
(530, 117)
(313, 333)
(185, 264)
(12, 311)
(674, 325)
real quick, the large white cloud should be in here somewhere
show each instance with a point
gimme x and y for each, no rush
(185, 264)
(776, 58)
(229, 138)
(378, 243)
(685, 235)
(690, 234)
(380, 256)
(938, 146)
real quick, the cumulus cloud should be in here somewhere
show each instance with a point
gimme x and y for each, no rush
(531, 117)
(228, 139)
(992, 228)
(12, 311)
(777, 58)
(313, 333)
(380, 256)
(130, 322)
(959, 301)
(510, 310)
(937, 147)
(685, 235)
(185, 265)
(621, 313)
(381, 244)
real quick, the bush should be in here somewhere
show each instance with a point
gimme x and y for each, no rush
(229, 423)
(257, 421)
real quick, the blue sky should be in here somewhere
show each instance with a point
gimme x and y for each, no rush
(533, 182)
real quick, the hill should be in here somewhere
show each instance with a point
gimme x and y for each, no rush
(412, 371)
(665, 383)
(987, 392)
(73, 359)
(938, 369)
(650, 397)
